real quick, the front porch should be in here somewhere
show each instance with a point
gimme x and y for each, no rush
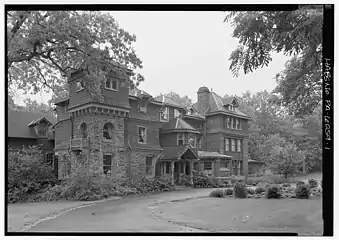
(177, 167)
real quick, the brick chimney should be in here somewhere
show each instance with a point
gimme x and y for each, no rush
(203, 99)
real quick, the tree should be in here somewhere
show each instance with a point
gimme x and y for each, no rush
(34, 106)
(184, 101)
(44, 48)
(297, 33)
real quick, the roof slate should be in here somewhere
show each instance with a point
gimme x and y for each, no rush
(178, 124)
(18, 123)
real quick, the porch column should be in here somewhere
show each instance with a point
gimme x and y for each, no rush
(185, 167)
(191, 172)
(172, 172)
(217, 168)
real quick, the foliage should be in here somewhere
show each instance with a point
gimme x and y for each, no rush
(44, 48)
(296, 33)
(273, 192)
(302, 191)
(286, 185)
(28, 174)
(218, 193)
(202, 181)
(240, 190)
(300, 183)
(250, 191)
(259, 190)
(313, 183)
(184, 100)
(229, 191)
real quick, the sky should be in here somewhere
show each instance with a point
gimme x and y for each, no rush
(182, 51)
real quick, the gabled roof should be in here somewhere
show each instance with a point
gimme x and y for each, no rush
(229, 100)
(136, 92)
(176, 152)
(217, 104)
(39, 120)
(178, 124)
(18, 122)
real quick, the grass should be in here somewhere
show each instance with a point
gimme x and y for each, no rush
(287, 215)
(274, 179)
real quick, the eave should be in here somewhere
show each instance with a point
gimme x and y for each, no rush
(228, 114)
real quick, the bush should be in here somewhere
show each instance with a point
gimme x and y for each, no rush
(259, 190)
(286, 185)
(229, 191)
(250, 191)
(299, 183)
(218, 193)
(240, 190)
(302, 192)
(313, 183)
(28, 175)
(273, 192)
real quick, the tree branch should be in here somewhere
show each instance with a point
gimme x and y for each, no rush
(19, 23)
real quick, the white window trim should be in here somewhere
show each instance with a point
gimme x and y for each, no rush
(111, 85)
(232, 120)
(227, 144)
(237, 122)
(178, 113)
(183, 138)
(164, 111)
(228, 122)
(238, 145)
(145, 142)
(81, 87)
(235, 145)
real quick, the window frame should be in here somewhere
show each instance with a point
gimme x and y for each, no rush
(164, 111)
(111, 85)
(233, 146)
(227, 144)
(149, 167)
(110, 134)
(228, 124)
(238, 145)
(176, 113)
(145, 137)
(234, 125)
(140, 106)
(183, 139)
(82, 132)
(194, 141)
(105, 165)
(237, 124)
(209, 163)
(79, 86)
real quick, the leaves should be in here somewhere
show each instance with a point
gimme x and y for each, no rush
(297, 33)
(44, 48)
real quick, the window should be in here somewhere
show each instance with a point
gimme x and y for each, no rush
(227, 145)
(192, 141)
(107, 165)
(238, 145)
(180, 139)
(142, 108)
(233, 145)
(79, 86)
(207, 165)
(238, 124)
(226, 164)
(167, 167)
(164, 114)
(199, 143)
(228, 122)
(149, 165)
(111, 84)
(231, 108)
(83, 130)
(233, 123)
(49, 159)
(142, 135)
(107, 131)
(176, 113)
(42, 131)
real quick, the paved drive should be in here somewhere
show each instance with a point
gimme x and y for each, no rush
(133, 213)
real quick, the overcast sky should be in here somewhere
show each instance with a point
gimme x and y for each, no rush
(182, 51)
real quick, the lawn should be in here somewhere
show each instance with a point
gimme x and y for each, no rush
(248, 215)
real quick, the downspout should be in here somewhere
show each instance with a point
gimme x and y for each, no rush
(129, 159)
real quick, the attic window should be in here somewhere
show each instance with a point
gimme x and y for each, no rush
(142, 107)
(42, 131)
(164, 114)
(79, 86)
(231, 108)
(111, 84)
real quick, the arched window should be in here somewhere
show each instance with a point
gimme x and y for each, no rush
(83, 130)
(107, 131)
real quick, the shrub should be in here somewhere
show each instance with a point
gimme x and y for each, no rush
(299, 183)
(259, 190)
(229, 191)
(273, 192)
(250, 181)
(28, 175)
(302, 192)
(240, 190)
(250, 191)
(286, 185)
(218, 193)
(313, 183)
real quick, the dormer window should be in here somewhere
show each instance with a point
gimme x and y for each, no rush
(164, 114)
(79, 86)
(42, 130)
(176, 113)
(142, 107)
(231, 108)
(112, 84)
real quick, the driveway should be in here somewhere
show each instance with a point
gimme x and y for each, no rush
(130, 214)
